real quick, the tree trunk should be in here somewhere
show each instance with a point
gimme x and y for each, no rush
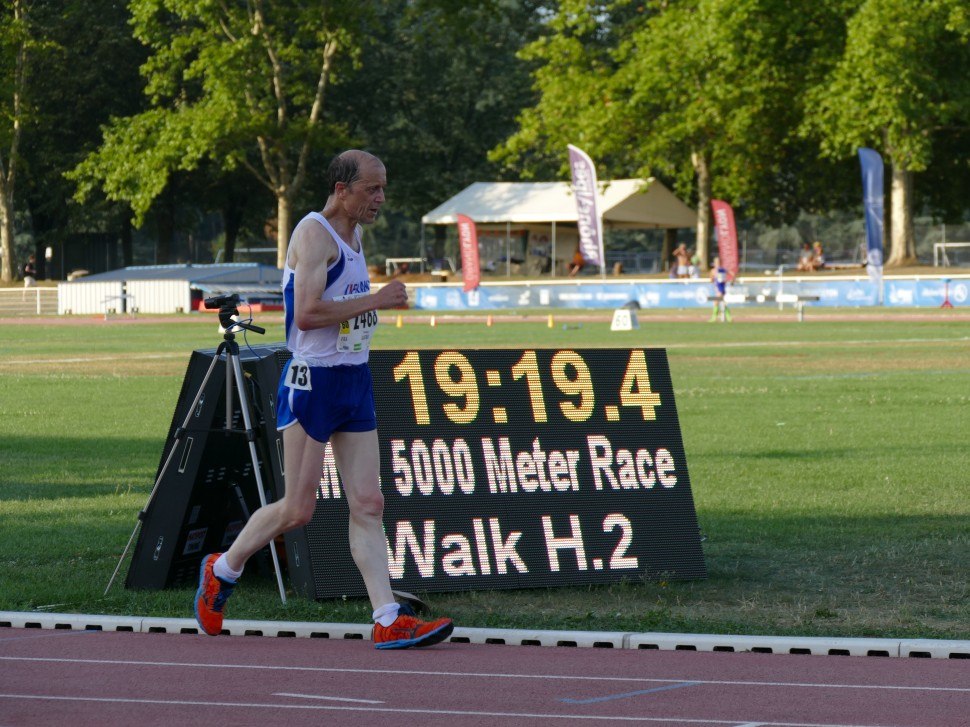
(231, 221)
(669, 243)
(703, 170)
(8, 173)
(165, 225)
(126, 252)
(284, 208)
(6, 237)
(902, 249)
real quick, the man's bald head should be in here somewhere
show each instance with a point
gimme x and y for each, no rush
(346, 166)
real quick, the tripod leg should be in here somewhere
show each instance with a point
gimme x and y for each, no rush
(168, 460)
(233, 357)
(123, 554)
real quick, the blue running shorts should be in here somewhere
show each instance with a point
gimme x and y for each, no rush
(341, 399)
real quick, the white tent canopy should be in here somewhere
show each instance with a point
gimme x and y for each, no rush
(623, 203)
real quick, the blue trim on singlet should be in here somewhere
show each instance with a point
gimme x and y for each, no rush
(288, 303)
(289, 291)
(337, 269)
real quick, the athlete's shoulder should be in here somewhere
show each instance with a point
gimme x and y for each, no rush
(311, 243)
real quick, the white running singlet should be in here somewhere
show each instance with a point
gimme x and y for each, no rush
(347, 277)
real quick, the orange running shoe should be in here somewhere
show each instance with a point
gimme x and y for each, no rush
(211, 597)
(408, 630)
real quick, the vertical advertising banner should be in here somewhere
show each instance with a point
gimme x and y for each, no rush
(468, 241)
(727, 237)
(872, 198)
(584, 189)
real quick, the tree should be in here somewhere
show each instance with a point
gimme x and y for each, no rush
(705, 93)
(92, 60)
(243, 85)
(901, 81)
(454, 94)
(15, 46)
(573, 66)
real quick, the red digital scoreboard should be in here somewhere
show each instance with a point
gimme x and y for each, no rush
(516, 469)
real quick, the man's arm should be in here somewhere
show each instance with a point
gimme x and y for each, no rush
(314, 251)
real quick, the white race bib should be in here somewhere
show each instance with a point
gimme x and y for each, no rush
(298, 375)
(355, 334)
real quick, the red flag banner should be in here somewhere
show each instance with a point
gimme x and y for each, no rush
(468, 242)
(727, 237)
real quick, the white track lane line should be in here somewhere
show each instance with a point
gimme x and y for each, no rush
(478, 675)
(432, 712)
(328, 698)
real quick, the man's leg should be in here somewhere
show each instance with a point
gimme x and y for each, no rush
(396, 627)
(303, 464)
(303, 467)
(358, 460)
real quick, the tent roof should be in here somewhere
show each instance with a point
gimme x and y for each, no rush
(630, 203)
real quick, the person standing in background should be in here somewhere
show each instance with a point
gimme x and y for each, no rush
(719, 277)
(30, 274)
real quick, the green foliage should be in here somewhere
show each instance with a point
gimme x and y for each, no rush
(770, 98)
(573, 66)
(443, 87)
(16, 37)
(237, 85)
(901, 77)
(672, 83)
(138, 156)
(95, 65)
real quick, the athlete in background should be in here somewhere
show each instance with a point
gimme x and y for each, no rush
(719, 277)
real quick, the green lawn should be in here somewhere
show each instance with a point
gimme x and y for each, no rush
(829, 461)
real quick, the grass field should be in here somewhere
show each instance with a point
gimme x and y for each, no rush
(829, 461)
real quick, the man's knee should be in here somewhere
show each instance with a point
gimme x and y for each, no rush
(367, 504)
(296, 514)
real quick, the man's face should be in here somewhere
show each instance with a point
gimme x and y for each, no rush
(363, 198)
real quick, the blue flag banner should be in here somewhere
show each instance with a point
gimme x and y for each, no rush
(588, 219)
(872, 197)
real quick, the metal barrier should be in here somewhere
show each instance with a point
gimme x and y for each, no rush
(940, 258)
(17, 302)
(393, 264)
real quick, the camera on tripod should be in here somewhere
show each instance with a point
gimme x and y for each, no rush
(235, 382)
(228, 305)
(223, 301)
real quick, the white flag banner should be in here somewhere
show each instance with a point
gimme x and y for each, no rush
(585, 191)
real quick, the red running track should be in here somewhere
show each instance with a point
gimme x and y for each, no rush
(108, 678)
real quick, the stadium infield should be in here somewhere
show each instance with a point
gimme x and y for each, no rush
(824, 458)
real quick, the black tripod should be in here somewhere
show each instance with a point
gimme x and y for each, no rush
(228, 319)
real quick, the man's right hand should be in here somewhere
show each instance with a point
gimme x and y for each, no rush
(392, 295)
